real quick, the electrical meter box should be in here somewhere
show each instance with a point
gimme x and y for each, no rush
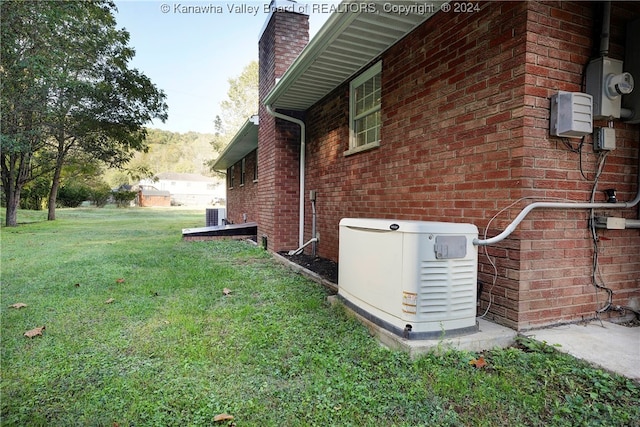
(606, 81)
(571, 114)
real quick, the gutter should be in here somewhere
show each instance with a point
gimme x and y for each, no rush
(331, 29)
(302, 166)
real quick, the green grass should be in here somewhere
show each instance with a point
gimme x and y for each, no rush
(172, 350)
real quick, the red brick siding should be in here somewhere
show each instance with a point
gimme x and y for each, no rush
(556, 263)
(241, 199)
(154, 200)
(465, 133)
(278, 160)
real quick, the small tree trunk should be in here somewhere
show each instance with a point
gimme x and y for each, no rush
(13, 201)
(14, 178)
(53, 194)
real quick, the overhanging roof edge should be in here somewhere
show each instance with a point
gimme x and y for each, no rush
(289, 86)
(242, 143)
(333, 27)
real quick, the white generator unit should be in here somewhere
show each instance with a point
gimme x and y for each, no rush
(417, 279)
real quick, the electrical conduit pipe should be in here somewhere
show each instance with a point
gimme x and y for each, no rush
(557, 205)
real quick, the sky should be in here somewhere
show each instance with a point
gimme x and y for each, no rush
(191, 52)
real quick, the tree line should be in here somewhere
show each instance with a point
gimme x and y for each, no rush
(73, 113)
(67, 94)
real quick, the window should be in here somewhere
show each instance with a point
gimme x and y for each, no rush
(243, 172)
(230, 176)
(364, 110)
(255, 168)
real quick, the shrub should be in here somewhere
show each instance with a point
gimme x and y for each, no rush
(123, 198)
(34, 193)
(72, 195)
(100, 195)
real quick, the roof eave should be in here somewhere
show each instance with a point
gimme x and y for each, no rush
(391, 27)
(329, 31)
(242, 143)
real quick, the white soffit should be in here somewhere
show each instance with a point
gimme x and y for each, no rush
(348, 41)
(244, 142)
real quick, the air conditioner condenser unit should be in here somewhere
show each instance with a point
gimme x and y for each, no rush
(417, 279)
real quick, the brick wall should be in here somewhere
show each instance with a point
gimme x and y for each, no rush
(465, 108)
(278, 141)
(241, 199)
(556, 259)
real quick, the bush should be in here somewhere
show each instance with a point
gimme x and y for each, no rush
(123, 198)
(72, 195)
(34, 194)
(100, 195)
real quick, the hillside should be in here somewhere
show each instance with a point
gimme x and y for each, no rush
(168, 152)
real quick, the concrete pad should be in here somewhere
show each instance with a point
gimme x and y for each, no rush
(615, 348)
(612, 347)
(490, 335)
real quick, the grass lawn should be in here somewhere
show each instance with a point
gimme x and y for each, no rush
(171, 349)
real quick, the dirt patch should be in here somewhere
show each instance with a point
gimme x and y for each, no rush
(323, 267)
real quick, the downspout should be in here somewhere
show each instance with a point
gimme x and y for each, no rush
(302, 165)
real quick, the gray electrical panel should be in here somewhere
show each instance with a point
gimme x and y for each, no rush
(450, 247)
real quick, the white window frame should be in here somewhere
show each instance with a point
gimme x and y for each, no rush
(374, 70)
(255, 168)
(243, 171)
(231, 176)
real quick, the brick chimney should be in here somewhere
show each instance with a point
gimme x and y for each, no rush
(285, 35)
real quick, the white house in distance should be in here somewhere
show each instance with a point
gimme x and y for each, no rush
(189, 189)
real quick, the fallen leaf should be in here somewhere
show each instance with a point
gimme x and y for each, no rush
(34, 332)
(18, 305)
(226, 291)
(479, 362)
(120, 280)
(223, 417)
(109, 301)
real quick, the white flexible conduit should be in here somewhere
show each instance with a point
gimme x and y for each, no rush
(302, 162)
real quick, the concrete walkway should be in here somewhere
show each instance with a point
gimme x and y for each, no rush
(612, 347)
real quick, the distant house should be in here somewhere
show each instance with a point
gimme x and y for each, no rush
(188, 189)
(435, 114)
(152, 197)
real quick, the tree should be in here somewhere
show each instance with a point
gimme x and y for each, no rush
(75, 72)
(241, 103)
(24, 61)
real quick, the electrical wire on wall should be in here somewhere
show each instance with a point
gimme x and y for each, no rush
(596, 275)
(595, 272)
(595, 265)
(486, 252)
